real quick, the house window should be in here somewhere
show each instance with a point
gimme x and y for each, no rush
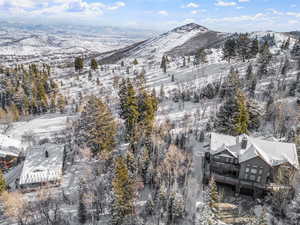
(254, 171)
(258, 179)
(252, 177)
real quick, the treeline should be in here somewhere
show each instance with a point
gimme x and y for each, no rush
(29, 91)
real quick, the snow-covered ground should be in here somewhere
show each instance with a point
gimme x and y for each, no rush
(72, 85)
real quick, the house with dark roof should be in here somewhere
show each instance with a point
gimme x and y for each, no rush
(256, 164)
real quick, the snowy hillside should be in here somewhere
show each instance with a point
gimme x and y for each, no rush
(20, 43)
(183, 40)
(188, 98)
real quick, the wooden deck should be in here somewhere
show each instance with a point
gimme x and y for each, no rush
(235, 181)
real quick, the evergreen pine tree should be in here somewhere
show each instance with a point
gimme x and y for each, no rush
(123, 194)
(233, 117)
(202, 136)
(249, 73)
(2, 183)
(244, 47)
(206, 214)
(265, 54)
(135, 62)
(82, 212)
(97, 127)
(254, 48)
(78, 64)
(242, 118)
(147, 106)
(200, 57)
(252, 87)
(229, 49)
(286, 44)
(213, 192)
(94, 64)
(231, 84)
(285, 68)
(132, 113)
(184, 62)
(163, 64)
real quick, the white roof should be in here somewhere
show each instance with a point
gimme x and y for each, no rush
(218, 140)
(9, 152)
(272, 152)
(9, 146)
(6, 142)
(37, 168)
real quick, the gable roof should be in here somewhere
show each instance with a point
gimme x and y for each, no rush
(272, 152)
(39, 168)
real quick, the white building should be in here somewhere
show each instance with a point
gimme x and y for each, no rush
(43, 166)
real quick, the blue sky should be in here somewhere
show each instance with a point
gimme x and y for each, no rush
(222, 15)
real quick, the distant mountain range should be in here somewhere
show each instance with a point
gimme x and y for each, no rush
(186, 40)
(110, 44)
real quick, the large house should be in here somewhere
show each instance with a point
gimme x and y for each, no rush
(43, 166)
(249, 163)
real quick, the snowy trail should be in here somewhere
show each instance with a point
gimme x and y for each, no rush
(195, 185)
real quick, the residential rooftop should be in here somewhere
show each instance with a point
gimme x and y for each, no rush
(43, 163)
(273, 152)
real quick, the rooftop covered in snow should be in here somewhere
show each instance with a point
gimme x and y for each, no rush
(9, 146)
(273, 152)
(43, 163)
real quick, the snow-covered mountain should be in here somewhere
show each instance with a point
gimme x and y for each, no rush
(183, 40)
(186, 40)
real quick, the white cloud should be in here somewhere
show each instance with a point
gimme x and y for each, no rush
(192, 5)
(240, 7)
(275, 12)
(194, 12)
(163, 13)
(58, 8)
(117, 5)
(244, 0)
(188, 21)
(225, 4)
(256, 17)
(293, 14)
(292, 22)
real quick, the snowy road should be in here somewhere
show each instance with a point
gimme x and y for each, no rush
(195, 185)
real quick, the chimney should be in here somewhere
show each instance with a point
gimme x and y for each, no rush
(46, 154)
(244, 142)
